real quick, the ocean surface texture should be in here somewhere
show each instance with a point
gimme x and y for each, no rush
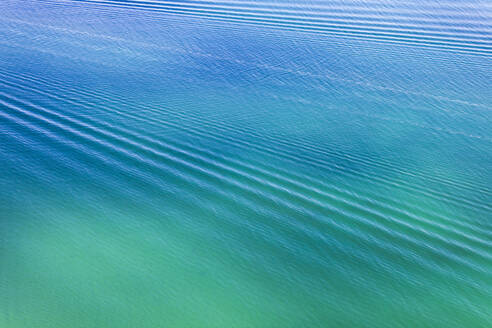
(245, 163)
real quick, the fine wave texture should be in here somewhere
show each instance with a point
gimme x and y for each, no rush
(245, 163)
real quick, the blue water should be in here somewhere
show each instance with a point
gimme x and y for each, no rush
(245, 164)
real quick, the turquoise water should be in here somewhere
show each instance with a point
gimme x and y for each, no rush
(245, 164)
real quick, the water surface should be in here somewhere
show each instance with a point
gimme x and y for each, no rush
(245, 164)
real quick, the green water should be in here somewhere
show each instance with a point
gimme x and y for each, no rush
(245, 164)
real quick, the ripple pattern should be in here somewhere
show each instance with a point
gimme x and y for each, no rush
(245, 163)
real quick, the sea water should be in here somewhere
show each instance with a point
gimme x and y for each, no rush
(245, 164)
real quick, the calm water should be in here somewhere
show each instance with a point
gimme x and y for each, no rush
(245, 164)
